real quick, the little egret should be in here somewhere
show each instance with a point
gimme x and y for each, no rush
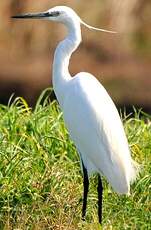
(89, 113)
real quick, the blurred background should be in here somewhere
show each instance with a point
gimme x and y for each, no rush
(121, 62)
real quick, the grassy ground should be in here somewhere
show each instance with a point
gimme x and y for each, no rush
(40, 177)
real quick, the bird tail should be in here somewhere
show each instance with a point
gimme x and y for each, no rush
(120, 178)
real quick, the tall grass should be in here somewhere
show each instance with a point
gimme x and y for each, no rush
(40, 177)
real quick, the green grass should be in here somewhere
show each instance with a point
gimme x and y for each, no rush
(40, 177)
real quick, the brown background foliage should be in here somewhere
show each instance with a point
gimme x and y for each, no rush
(121, 62)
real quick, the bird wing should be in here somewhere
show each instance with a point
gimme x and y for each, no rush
(97, 131)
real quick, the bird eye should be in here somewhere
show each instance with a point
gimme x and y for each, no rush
(54, 14)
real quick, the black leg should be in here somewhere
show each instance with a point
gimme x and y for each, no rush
(100, 192)
(85, 192)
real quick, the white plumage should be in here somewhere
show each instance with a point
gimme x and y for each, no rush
(96, 129)
(89, 113)
(91, 116)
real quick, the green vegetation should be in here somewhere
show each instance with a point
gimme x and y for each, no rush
(40, 177)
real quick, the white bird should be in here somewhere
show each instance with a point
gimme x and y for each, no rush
(89, 113)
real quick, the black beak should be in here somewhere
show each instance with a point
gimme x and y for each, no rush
(33, 15)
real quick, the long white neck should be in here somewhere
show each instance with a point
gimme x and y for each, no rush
(61, 75)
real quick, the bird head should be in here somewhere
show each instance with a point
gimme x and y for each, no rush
(62, 14)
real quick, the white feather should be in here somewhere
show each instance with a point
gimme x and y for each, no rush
(96, 129)
(90, 114)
